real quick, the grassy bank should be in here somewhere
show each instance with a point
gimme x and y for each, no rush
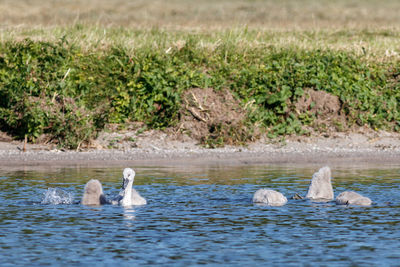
(69, 84)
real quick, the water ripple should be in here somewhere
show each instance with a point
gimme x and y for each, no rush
(198, 219)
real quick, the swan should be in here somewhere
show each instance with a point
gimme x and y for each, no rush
(128, 196)
(269, 197)
(352, 198)
(93, 193)
(320, 187)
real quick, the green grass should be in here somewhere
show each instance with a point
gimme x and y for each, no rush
(70, 88)
(68, 68)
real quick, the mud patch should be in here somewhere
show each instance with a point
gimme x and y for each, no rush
(213, 117)
(325, 110)
(4, 137)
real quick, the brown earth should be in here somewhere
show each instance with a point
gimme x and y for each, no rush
(325, 107)
(5, 137)
(208, 114)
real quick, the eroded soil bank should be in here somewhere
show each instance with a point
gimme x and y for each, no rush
(205, 118)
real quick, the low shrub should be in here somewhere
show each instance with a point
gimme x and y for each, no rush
(70, 93)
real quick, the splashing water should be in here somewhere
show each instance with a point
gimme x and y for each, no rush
(57, 196)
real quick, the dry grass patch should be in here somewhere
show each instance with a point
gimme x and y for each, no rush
(283, 14)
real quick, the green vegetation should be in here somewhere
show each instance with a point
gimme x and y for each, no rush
(70, 68)
(70, 92)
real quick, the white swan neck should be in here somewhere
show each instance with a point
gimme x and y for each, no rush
(126, 200)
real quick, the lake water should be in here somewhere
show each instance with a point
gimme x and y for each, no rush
(200, 215)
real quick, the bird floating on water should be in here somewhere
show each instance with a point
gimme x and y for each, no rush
(352, 198)
(93, 193)
(269, 197)
(321, 187)
(128, 196)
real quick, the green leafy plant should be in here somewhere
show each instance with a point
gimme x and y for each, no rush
(70, 93)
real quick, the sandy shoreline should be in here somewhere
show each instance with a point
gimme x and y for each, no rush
(353, 149)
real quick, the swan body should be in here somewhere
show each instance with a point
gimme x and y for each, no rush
(137, 199)
(128, 196)
(352, 198)
(320, 187)
(269, 197)
(93, 193)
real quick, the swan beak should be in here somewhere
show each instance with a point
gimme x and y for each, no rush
(125, 182)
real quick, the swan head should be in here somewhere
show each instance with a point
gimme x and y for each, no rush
(128, 176)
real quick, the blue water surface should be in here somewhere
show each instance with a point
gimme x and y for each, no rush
(199, 216)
